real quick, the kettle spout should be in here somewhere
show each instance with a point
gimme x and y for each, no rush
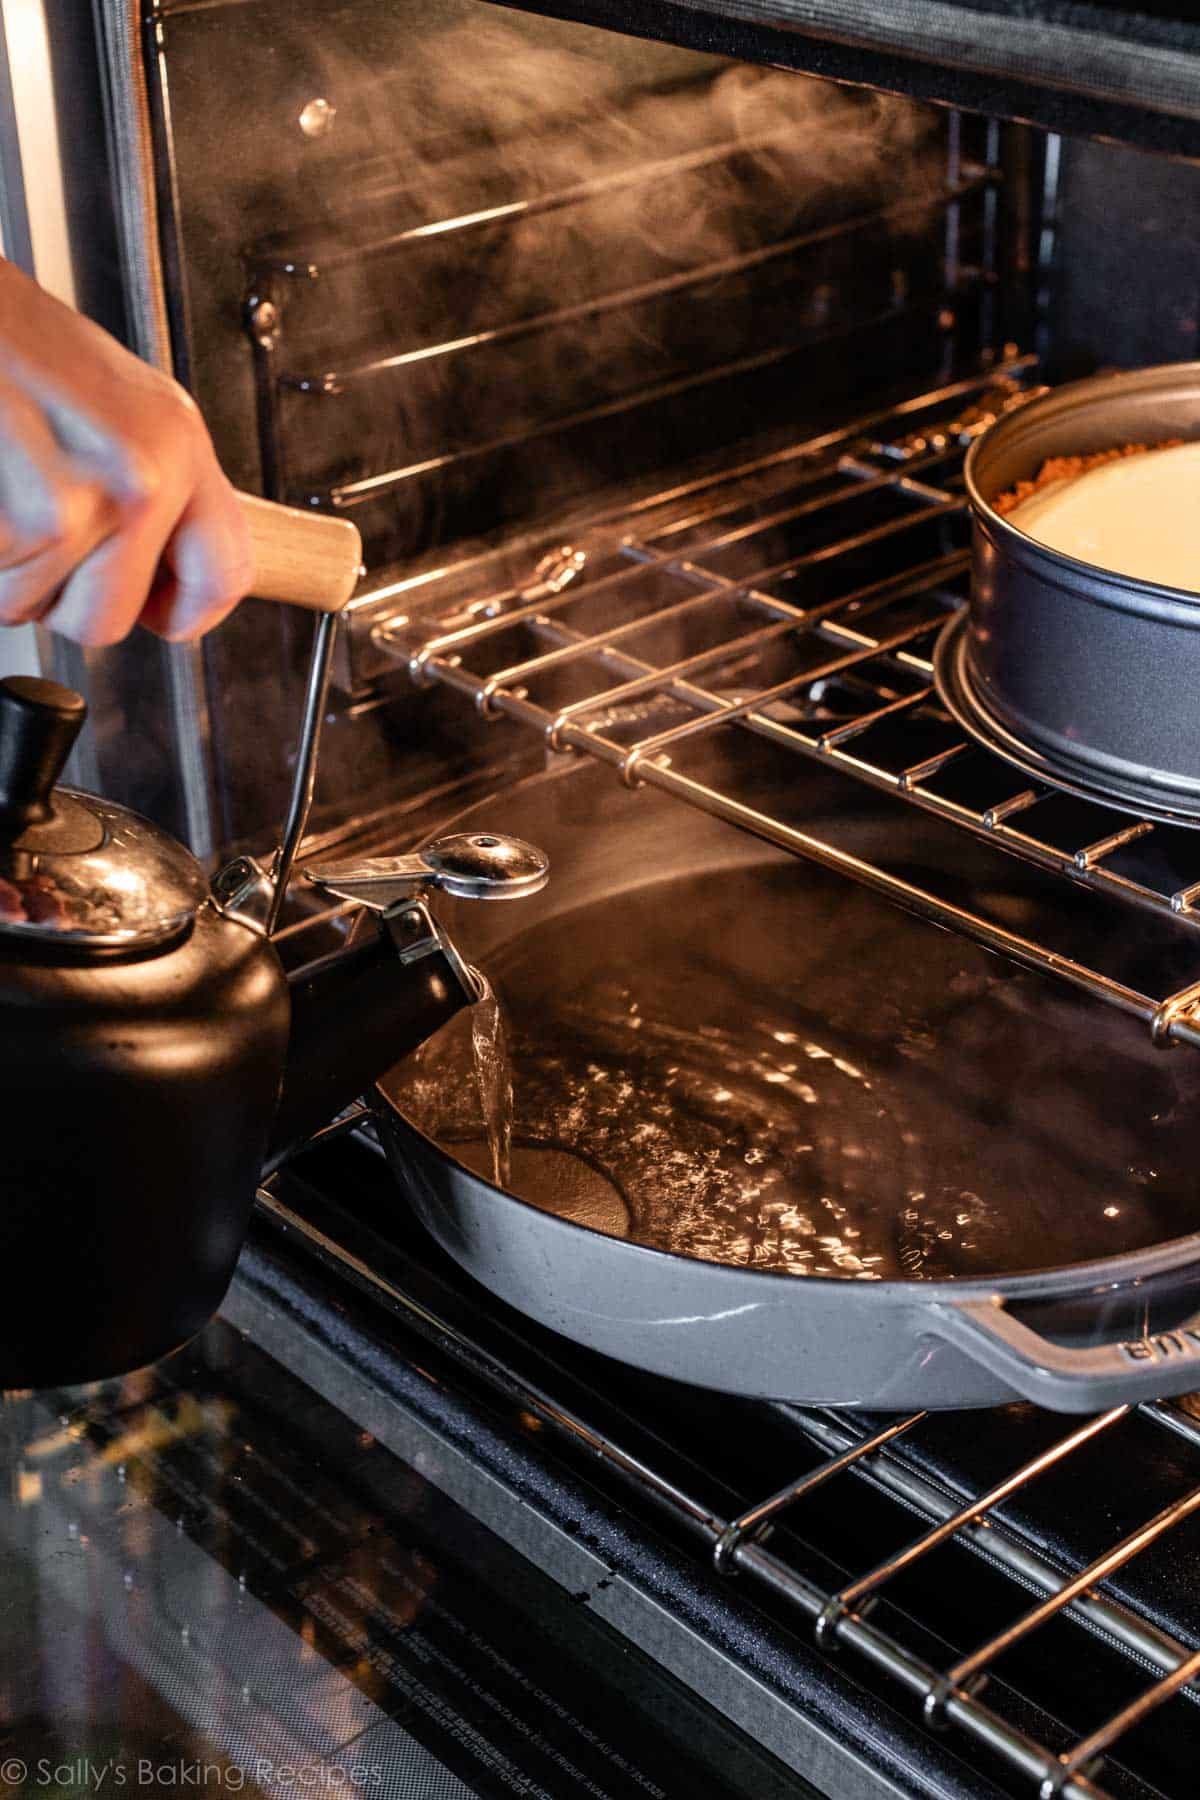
(360, 1011)
(357, 1013)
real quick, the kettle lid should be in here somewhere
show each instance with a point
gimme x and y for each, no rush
(75, 870)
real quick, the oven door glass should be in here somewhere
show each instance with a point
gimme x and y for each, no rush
(214, 1582)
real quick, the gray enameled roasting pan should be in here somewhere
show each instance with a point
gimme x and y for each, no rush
(1074, 1338)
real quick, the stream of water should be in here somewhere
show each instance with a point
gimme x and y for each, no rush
(493, 1079)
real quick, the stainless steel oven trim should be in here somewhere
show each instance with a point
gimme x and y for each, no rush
(1124, 70)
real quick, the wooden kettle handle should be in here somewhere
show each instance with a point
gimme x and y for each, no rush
(302, 558)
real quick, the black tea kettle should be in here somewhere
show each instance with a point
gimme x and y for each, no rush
(154, 1056)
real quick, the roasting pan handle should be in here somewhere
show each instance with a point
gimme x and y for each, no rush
(1064, 1378)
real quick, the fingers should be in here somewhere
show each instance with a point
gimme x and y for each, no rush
(29, 584)
(112, 505)
(89, 551)
(87, 572)
(100, 600)
(178, 572)
(33, 470)
(51, 512)
(178, 576)
(58, 515)
(207, 565)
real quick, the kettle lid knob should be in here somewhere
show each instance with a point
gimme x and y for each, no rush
(39, 722)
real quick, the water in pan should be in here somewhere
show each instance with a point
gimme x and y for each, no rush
(771, 1068)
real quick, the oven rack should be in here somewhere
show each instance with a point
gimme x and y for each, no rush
(766, 1544)
(953, 1696)
(855, 613)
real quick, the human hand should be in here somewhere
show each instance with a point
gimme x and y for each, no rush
(113, 508)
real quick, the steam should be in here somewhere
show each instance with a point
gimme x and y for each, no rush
(385, 124)
(485, 115)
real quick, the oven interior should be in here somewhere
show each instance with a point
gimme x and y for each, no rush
(648, 376)
(581, 329)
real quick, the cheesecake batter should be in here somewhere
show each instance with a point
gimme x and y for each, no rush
(1137, 515)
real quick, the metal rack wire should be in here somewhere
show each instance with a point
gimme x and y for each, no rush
(813, 584)
(954, 1695)
(965, 1696)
